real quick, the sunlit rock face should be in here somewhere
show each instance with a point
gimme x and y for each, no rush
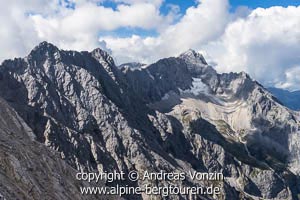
(177, 114)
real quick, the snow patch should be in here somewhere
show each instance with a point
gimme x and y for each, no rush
(198, 87)
(151, 76)
(166, 96)
(145, 66)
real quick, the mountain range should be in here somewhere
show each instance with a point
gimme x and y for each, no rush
(288, 98)
(67, 111)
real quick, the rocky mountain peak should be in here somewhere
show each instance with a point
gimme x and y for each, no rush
(44, 45)
(44, 48)
(193, 57)
(102, 55)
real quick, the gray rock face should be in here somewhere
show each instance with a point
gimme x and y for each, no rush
(29, 170)
(177, 114)
(153, 81)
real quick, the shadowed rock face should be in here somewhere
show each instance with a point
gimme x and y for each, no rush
(28, 169)
(177, 114)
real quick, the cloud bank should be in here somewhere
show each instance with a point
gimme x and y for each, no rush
(263, 42)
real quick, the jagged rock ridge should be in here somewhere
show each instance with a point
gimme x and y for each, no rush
(175, 114)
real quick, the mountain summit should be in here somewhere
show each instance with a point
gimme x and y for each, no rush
(193, 57)
(177, 114)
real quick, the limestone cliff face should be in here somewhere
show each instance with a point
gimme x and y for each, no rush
(28, 169)
(177, 114)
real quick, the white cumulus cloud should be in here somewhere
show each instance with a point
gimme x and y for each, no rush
(265, 44)
(201, 24)
(26, 23)
(78, 29)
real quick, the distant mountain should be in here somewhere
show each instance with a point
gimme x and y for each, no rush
(289, 99)
(175, 115)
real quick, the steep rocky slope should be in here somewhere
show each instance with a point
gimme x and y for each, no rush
(177, 114)
(231, 110)
(29, 170)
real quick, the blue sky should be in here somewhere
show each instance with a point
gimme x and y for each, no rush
(185, 4)
(263, 3)
(252, 4)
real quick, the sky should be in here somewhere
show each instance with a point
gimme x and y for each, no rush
(259, 37)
